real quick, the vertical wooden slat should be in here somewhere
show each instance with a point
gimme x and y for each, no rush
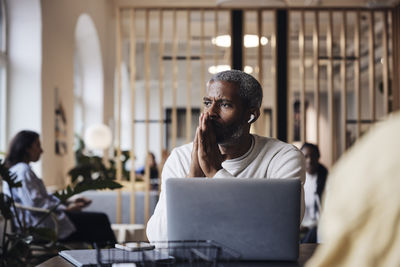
(371, 65)
(357, 73)
(261, 71)
(203, 64)
(316, 71)
(216, 35)
(118, 126)
(343, 72)
(329, 45)
(385, 70)
(230, 31)
(147, 130)
(290, 120)
(396, 58)
(188, 80)
(132, 58)
(174, 78)
(161, 91)
(244, 49)
(274, 74)
(302, 75)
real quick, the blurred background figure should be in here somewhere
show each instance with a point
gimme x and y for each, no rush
(72, 223)
(154, 175)
(360, 220)
(314, 186)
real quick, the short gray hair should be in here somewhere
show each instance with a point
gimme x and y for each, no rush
(249, 89)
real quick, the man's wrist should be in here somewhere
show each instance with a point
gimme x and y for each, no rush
(214, 171)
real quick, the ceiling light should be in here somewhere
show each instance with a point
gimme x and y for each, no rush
(222, 41)
(218, 68)
(250, 40)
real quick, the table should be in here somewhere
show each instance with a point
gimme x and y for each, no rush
(306, 251)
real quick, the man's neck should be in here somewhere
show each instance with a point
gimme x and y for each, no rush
(236, 149)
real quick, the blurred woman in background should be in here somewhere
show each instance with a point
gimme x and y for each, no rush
(72, 224)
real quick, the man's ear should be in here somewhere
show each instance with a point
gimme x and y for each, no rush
(253, 115)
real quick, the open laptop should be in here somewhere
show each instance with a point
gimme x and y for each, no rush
(258, 218)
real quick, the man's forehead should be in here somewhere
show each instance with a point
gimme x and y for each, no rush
(215, 88)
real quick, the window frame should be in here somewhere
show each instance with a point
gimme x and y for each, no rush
(3, 78)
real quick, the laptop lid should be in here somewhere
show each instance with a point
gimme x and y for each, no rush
(258, 218)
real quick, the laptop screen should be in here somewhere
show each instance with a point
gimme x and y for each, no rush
(258, 218)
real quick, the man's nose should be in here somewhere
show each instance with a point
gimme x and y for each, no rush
(213, 110)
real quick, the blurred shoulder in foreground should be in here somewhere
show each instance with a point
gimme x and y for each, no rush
(359, 225)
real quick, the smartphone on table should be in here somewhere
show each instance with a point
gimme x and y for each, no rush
(135, 246)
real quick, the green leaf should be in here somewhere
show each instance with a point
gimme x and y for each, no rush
(5, 206)
(8, 177)
(85, 186)
(43, 234)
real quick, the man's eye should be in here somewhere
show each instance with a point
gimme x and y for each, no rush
(207, 103)
(226, 105)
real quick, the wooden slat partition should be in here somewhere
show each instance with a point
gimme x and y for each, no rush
(118, 124)
(202, 52)
(396, 57)
(371, 65)
(188, 80)
(316, 71)
(343, 78)
(205, 49)
(132, 63)
(302, 79)
(261, 70)
(329, 46)
(147, 130)
(161, 91)
(216, 35)
(174, 78)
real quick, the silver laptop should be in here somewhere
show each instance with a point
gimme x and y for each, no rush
(258, 218)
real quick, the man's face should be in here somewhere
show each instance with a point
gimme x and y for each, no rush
(311, 160)
(226, 111)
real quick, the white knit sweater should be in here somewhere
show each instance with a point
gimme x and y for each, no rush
(267, 158)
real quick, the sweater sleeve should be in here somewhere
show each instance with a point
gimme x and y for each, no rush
(290, 163)
(157, 225)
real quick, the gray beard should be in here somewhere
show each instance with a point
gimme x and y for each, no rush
(228, 135)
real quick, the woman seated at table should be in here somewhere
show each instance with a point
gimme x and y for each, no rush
(72, 223)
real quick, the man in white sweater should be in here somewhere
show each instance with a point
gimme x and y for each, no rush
(223, 146)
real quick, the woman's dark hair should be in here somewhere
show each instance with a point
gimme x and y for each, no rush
(18, 149)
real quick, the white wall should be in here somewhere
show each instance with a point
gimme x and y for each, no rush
(59, 19)
(88, 74)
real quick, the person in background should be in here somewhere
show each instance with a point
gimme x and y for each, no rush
(153, 167)
(316, 175)
(223, 146)
(359, 224)
(72, 223)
